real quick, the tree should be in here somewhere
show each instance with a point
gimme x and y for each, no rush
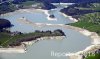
(4, 23)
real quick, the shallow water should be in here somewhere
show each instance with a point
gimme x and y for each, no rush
(73, 42)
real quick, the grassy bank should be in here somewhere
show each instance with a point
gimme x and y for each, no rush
(14, 39)
(6, 38)
(90, 22)
(96, 56)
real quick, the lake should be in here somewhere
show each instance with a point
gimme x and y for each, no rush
(73, 42)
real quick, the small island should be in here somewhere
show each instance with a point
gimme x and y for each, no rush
(52, 16)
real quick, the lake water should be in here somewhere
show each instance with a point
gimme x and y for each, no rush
(73, 42)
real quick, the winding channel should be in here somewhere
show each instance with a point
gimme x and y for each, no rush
(74, 41)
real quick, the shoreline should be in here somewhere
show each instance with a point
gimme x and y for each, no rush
(94, 36)
(23, 47)
(85, 32)
(80, 54)
(69, 17)
(31, 10)
(95, 43)
(47, 13)
(15, 49)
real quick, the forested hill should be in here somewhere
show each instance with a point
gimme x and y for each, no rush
(73, 1)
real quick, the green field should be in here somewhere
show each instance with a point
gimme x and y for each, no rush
(6, 38)
(96, 56)
(90, 22)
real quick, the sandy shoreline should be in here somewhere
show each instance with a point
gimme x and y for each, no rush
(47, 13)
(29, 43)
(70, 17)
(95, 38)
(16, 49)
(79, 55)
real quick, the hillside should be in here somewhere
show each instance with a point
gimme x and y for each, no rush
(87, 20)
